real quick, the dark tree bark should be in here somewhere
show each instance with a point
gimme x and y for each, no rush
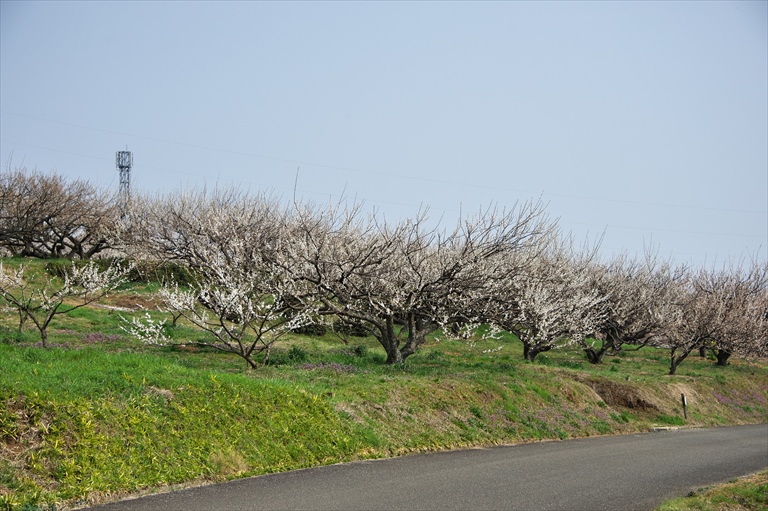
(595, 356)
(678, 354)
(722, 356)
(531, 351)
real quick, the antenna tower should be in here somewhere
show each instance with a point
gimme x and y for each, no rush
(124, 161)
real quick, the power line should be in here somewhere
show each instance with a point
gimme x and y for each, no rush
(674, 231)
(622, 201)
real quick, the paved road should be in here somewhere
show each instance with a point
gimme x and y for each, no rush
(635, 472)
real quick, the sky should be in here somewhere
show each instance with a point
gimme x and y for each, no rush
(645, 123)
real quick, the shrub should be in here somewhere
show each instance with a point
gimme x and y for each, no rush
(141, 271)
(314, 329)
(296, 354)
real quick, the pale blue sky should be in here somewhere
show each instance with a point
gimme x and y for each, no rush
(648, 120)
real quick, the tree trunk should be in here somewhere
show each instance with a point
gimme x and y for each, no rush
(722, 357)
(394, 357)
(22, 320)
(417, 332)
(252, 363)
(388, 339)
(407, 350)
(530, 351)
(675, 361)
(527, 352)
(595, 356)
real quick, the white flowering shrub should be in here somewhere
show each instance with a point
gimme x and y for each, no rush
(242, 296)
(81, 285)
(150, 330)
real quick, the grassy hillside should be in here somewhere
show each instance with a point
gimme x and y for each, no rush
(99, 415)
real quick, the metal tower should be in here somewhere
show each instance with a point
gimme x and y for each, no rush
(124, 160)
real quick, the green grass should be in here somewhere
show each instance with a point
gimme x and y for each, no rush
(80, 422)
(746, 494)
(76, 420)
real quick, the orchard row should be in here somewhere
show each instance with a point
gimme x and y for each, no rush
(262, 267)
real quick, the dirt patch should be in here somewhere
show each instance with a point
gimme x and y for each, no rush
(691, 395)
(164, 393)
(576, 392)
(614, 393)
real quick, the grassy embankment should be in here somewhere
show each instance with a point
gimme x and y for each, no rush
(99, 415)
(748, 493)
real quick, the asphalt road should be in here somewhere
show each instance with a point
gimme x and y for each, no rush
(634, 472)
